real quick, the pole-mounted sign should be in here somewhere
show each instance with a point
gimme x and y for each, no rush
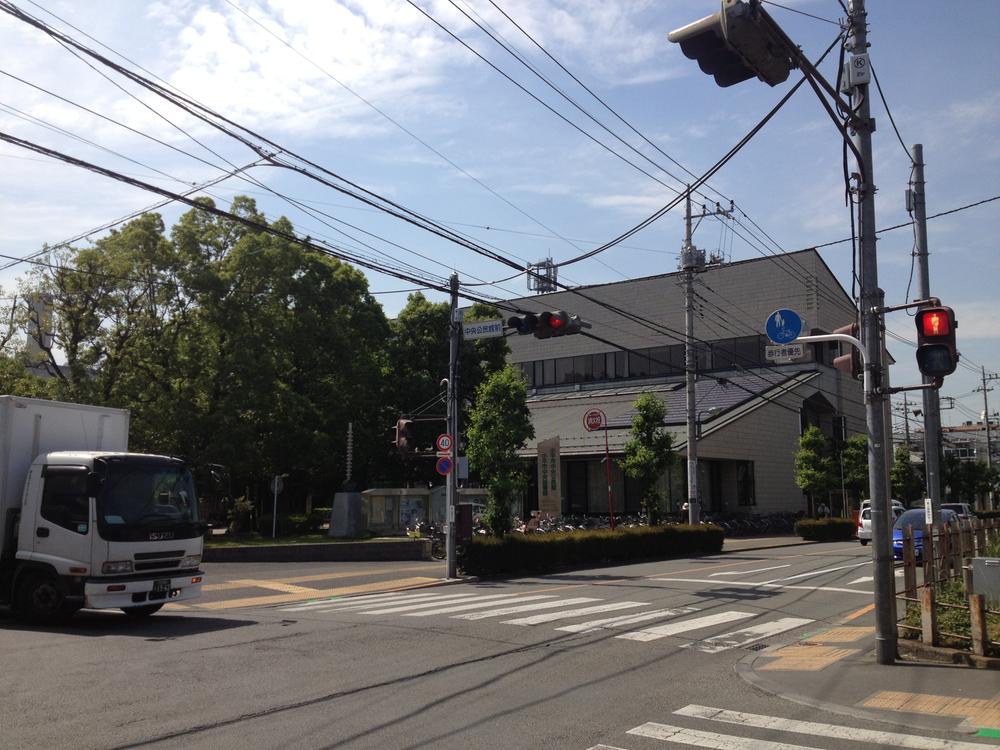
(594, 419)
(783, 326)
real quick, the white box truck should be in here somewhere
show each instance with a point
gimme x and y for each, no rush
(85, 523)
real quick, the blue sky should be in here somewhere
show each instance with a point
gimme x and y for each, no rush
(520, 178)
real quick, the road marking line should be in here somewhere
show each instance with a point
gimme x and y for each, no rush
(477, 605)
(605, 747)
(865, 579)
(806, 657)
(683, 626)
(241, 583)
(683, 736)
(747, 572)
(357, 600)
(764, 585)
(746, 636)
(524, 608)
(259, 601)
(836, 731)
(489, 599)
(565, 615)
(860, 612)
(814, 573)
(612, 622)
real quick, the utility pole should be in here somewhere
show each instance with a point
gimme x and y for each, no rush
(986, 415)
(932, 403)
(692, 262)
(451, 491)
(906, 420)
(872, 325)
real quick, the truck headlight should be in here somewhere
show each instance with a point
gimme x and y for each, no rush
(117, 566)
(191, 561)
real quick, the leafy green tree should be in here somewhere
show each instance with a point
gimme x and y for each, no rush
(854, 461)
(907, 482)
(499, 426)
(648, 453)
(814, 473)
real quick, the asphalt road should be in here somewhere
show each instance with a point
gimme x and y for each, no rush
(634, 657)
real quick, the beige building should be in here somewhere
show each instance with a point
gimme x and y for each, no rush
(752, 402)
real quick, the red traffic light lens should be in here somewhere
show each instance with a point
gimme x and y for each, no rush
(935, 323)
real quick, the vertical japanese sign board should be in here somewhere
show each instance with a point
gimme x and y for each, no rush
(549, 481)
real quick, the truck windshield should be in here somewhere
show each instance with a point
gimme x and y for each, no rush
(145, 499)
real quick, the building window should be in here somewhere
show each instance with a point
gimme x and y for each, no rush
(549, 372)
(638, 364)
(659, 361)
(745, 492)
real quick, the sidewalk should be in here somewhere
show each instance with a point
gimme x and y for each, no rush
(834, 669)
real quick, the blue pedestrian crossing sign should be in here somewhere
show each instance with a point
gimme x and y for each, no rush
(783, 326)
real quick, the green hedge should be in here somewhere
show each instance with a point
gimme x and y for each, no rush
(535, 553)
(825, 529)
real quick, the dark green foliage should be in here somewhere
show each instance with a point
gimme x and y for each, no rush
(648, 453)
(825, 529)
(515, 553)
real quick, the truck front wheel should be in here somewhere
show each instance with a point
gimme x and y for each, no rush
(40, 599)
(146, 610)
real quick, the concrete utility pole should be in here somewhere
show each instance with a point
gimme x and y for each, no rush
(986, 416)
(906, 420)
(872, 324)
(451, 486)
(692, 261)
(932, 403)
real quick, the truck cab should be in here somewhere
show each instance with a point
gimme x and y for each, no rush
(100, 529)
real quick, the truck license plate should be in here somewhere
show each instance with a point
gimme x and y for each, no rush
(160, 589)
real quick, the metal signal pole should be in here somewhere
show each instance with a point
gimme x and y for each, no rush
(872, 325)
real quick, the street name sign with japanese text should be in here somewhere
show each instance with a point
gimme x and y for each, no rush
(482, 329)
(784, 352)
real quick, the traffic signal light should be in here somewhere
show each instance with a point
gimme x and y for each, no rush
(849, 362)
(936, 355)
(737, 43)
(547, 324)
(404, 436)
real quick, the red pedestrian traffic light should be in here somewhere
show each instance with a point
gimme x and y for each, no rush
(936, 353)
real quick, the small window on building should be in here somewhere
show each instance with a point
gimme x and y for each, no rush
(638, 364)
(549, 367)
(659, 361)
(598, 366)
(621, 364)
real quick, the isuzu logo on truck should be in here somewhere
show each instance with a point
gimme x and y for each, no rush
(159, 536)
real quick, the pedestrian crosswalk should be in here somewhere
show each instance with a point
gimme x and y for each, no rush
(814, 732)
(625, 620)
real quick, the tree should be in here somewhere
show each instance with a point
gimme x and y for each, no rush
(499, 426)
(907, 483)
(854, 461)
(648, 453)
(813, 467)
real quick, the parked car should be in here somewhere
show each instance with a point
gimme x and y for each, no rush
(865, 523)
(895, 504)
(915, 518)
(963, 510)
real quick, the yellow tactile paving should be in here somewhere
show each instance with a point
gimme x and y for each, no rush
(847, 634)
(259, 601)
(981, 712)
(806, 657)
(258, 583)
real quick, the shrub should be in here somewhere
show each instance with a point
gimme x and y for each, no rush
(535, 553)
(825, 529)
(241, 516)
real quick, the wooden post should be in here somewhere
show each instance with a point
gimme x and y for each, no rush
(909, 566)
(928, 616)
(980, 533)
(967, 574)
(955, 535)
(977, 619)
(930, 572)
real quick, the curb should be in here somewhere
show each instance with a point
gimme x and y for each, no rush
(941, 655)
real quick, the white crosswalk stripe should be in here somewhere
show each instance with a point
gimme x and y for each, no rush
(478, 605)
(525, 608)
(816, 729)
(845, 736)
(567, 614)
(614, 622)
(540, 609)
(746, 636)
(683, 626)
